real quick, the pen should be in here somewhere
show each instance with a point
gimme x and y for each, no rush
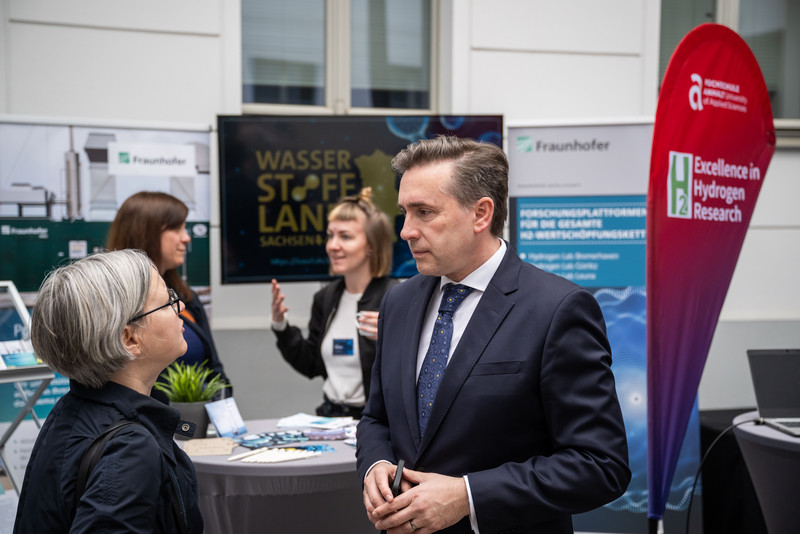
(246, 454)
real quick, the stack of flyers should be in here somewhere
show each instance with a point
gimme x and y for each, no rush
(327, 435)
(282, 454)
(304, 420)
(17, 353)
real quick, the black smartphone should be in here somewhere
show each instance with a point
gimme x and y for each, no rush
(398, 478)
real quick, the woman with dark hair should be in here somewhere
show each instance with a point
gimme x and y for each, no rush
(109, 323)
(344, 315)
(155, 222)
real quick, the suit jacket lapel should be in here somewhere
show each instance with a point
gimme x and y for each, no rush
(417, 309)
(492, 309)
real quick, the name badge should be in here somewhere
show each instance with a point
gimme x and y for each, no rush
(343, 347)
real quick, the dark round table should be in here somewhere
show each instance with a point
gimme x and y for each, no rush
(320, 494)
(773, 461)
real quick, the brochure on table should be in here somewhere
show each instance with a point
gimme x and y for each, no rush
(225, 416)
(287, 443)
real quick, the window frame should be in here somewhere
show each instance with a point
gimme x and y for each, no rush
(787, 131)
(338, 64)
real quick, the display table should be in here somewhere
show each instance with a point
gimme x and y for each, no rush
(729, 499)
(320, 494)
(16, 375)
(773, 460)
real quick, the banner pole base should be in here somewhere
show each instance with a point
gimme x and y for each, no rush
(656, 526)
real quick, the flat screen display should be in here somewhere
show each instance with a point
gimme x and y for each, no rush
(280, 176)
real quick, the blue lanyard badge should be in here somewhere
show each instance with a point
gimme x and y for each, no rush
(343, 347)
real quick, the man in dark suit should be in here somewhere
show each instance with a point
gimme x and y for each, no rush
(501, 399)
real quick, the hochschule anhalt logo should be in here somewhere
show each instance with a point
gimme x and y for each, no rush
(696, 93)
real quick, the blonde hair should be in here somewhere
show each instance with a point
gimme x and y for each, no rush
(82, 309)
(376, 227)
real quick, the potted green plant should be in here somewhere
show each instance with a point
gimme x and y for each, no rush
(189, 388)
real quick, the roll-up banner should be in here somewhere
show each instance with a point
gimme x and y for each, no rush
(712, 142)
(578, 209)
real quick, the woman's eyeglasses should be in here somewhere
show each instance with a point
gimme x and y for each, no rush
(174, 301)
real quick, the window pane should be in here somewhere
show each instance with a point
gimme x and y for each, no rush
(679, 17)
(772, 30)
(283, 52)
(391, 51)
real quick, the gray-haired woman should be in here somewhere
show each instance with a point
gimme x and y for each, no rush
(109, 324)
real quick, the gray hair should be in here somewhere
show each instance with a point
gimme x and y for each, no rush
(81, 312)
(479, 170)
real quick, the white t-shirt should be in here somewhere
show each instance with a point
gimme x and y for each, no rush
(345, 383)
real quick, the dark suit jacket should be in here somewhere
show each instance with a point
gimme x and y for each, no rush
(527, 407)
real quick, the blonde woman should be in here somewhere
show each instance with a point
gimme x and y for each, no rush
(344, 315)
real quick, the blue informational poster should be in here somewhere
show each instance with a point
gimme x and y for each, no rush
(593, 241)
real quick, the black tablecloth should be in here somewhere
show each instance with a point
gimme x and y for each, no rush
(730, 505)
(773, 461)
(320, 495)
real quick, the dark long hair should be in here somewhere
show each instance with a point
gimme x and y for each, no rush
(139, 223)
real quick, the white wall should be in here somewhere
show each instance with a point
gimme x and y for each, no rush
(762, 308)
(764, 284)
(180, 62)
(149, 60)
(545, 59)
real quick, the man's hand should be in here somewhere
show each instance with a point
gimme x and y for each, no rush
(377, 487)
(429, 502)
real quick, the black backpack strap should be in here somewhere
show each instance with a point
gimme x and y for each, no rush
(177, 502)
(92, 456)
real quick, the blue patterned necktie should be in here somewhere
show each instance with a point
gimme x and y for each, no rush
(436, 358)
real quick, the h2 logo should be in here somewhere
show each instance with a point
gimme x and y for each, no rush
(679, 186)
